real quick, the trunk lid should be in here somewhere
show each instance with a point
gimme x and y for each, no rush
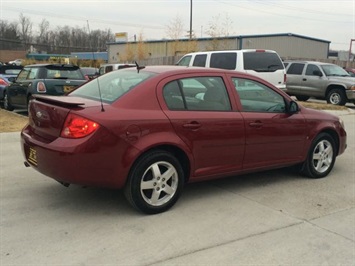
(47, 114)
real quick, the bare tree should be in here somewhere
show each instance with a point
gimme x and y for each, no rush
(220, 26)
(25, 30)
(175, 30)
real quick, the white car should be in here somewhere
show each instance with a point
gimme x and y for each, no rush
(17, 62)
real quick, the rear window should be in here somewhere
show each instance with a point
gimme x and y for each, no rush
(262, 61)
(224, 60)
(62, 72)
(111, 86)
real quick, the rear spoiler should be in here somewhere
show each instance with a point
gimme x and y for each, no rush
(59, 100)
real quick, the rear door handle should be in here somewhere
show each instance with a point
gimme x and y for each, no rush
(192, 125)
(257, 124)
(304, 79)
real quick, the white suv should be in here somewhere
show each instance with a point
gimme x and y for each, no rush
(265, 64)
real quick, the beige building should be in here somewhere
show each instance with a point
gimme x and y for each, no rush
(287, 45)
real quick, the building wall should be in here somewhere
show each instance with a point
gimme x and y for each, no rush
(287, 46)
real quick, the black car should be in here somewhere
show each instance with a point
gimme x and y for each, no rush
(50, 79)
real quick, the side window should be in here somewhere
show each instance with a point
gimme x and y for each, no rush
(224, 60)
(23, 74)
(256, 97)
(295, 69)
(173, 97)
(33, 73)
(108, 69)
(310, 69)
(197, 93)
(185, 61)
(200, 60)
(262, 61)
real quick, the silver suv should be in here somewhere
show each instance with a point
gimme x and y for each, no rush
(307, 79)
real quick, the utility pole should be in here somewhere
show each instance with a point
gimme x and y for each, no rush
(190, 19)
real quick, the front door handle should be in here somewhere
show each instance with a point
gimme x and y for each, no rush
(257, 124)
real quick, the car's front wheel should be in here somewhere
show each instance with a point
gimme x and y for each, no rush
(155, 182)
(336, 97)
(7, 104)
(321, 157)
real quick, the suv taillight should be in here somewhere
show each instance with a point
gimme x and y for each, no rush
(76, 126)
(285, 78)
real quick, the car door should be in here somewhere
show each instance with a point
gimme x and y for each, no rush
(294, 83)
(18, 89)
(273, 136)
(200, 111)
(314, 81)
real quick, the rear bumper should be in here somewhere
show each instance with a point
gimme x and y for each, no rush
(91, 161)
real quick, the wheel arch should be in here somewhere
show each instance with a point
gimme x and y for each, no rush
(179, 153)
(334, 86)
(333, 134)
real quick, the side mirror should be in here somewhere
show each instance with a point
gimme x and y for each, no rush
(292, 107)
(317, 73)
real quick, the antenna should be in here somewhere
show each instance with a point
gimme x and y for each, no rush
(97, 78)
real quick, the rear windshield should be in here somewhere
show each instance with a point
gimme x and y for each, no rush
(58, 72)
(111, 86)
(262, 61)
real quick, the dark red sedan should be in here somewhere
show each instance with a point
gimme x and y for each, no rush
(151, 130)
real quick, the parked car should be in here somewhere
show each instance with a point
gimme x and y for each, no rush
(265, 64)
(16, 62)
(90, 72)
(105, 68)
(51, 79)
(351, 71)
(8, 73)
(327, 81)
(151, 130)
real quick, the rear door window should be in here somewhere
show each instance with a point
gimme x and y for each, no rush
(224, 60)
(262, 61)
(200, 60)
(295, 69)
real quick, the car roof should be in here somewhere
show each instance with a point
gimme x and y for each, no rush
(307, 62)
(174, 69)
(56, 65)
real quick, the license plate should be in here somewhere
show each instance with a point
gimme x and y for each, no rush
(67, 89)
(32, 156)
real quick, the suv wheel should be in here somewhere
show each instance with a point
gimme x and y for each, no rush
(336, 97)
(302, 98)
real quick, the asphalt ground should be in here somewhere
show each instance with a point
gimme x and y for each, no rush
(269, 218)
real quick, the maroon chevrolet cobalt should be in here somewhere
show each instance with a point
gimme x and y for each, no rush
(150, 130)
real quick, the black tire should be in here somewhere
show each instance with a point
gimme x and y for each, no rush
(302, 98)
(7, 104)
(321, 157)
(163, 177)
(336, 97)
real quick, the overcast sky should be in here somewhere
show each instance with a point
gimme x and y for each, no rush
(330, 20)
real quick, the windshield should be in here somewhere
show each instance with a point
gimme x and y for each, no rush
(111, 85)
(334, 70)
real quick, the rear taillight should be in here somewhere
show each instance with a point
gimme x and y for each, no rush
(3, 82)
(41, 87)
(78, 127)
(285, 78)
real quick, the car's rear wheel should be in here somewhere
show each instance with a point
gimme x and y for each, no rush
(155, 182)
(7, 104)
(336, 97)
(302, 98)
(321, 157)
